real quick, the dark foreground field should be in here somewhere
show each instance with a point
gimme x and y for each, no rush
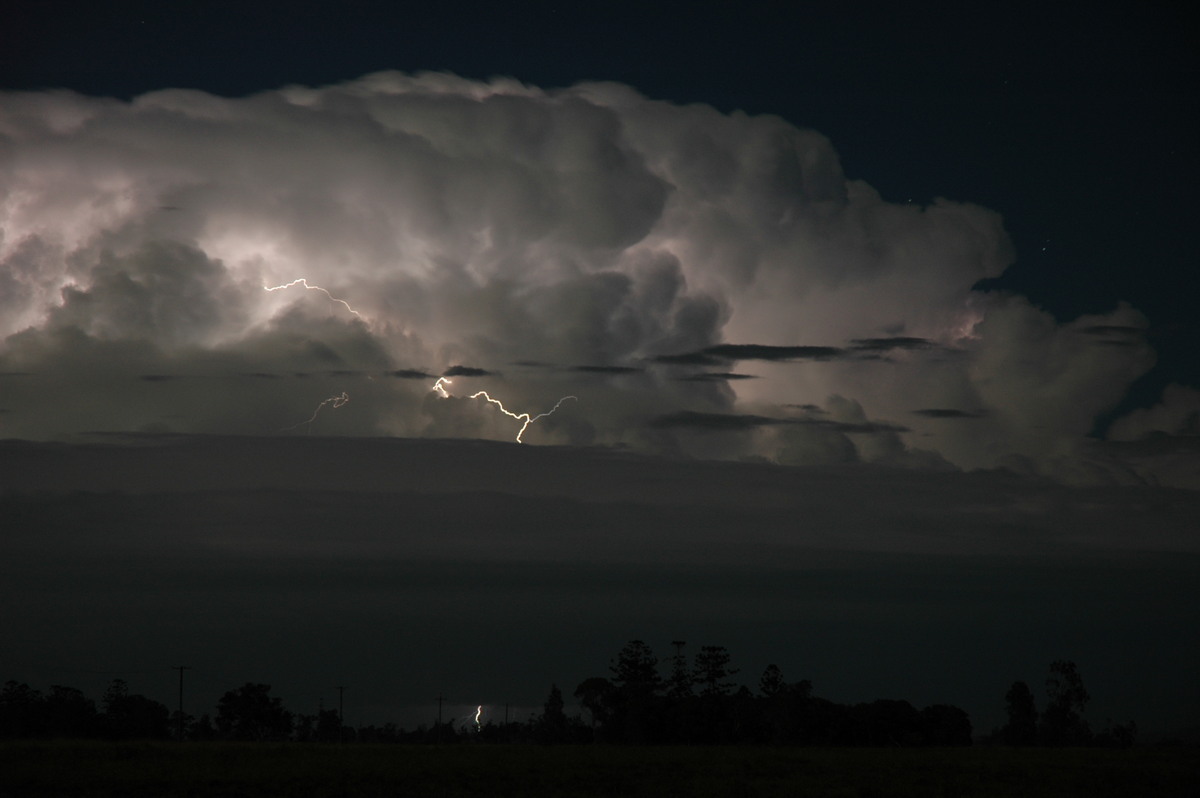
(230, 769)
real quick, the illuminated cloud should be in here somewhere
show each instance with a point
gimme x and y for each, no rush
(1177, 415)
(438, 221)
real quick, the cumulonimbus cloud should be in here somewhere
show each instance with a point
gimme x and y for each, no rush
(445, 221)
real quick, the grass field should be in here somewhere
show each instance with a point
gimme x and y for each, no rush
(231, 769)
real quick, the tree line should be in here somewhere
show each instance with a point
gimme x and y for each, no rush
(640, 701)
(697, 701)
(1061, 721)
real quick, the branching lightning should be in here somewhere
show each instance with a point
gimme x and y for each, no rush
(336, 401)
(439, 388)
(304, 282)
(525, 417)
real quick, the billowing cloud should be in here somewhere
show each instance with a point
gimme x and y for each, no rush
(1177, 414)
(185, 262)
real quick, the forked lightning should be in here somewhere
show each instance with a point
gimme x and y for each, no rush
(439, 388)
(336, 401)
(304, 282)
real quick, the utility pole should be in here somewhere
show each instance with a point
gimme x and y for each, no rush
(341, 717)
(181, 669)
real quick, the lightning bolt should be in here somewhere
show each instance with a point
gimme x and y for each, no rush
(439, 388)
(304, 282)
(336, 401)
(528, 419)
(478, 712)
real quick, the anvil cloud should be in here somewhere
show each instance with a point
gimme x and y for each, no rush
(586, 241)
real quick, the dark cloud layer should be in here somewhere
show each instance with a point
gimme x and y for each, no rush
(609, 369)
(716, 376)
(715, 421)
(467, 371)
(888, 344)
(731, 421)
(761, 352)
(946, 412)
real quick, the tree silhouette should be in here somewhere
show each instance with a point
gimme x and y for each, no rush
(1066, 699)
(19, 710)
(679, 685)
(202, 730)
(636, 706)
(635, 710)
(942, 724)
(69, 713)
(771, 681)
(552, 725)
(783, 708)
(1120, 735)
(329, 726)
(636, 669)
(596, 695)
(128, 717)
(712, 669)
(885, 722)
(181, 723)
(712, 718)
(250, 713)
(1021, 728)
(304, 727)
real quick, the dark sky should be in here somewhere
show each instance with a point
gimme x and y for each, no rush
(877, 245)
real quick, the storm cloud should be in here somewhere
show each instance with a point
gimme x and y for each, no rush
(158, 256)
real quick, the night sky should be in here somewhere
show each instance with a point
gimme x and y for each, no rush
(860, 341)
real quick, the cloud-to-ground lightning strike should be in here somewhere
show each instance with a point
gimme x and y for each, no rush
(304, 282)
(336, 401)
(478, 712)
(528, 419)
(439, 388)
